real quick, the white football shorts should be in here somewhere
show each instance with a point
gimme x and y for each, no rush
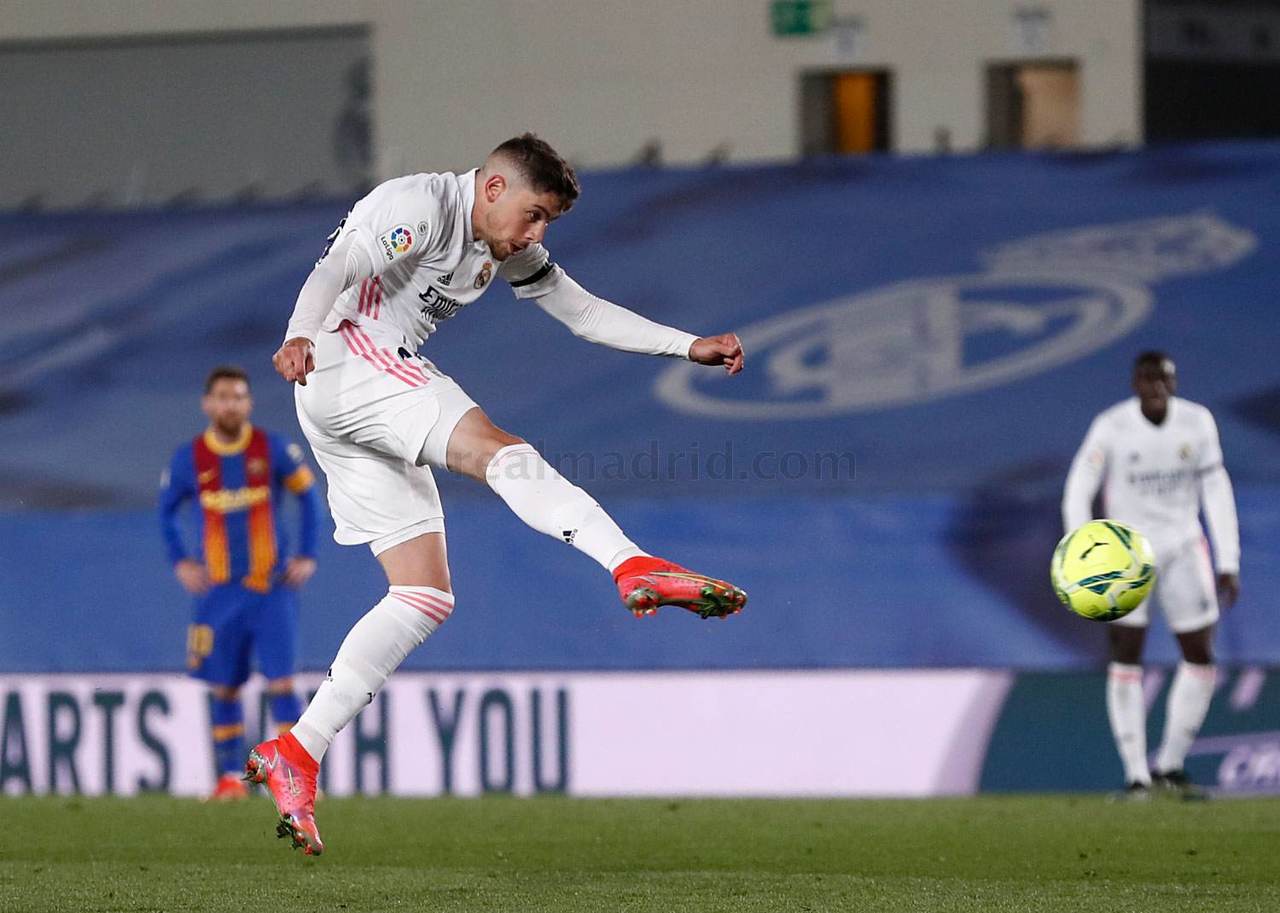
(1185, 588)
(378, 416)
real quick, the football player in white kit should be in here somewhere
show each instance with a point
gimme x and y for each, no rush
(411, 254)
(1159, 462)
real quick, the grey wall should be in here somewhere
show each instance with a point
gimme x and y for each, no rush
(141, 121)
(602, 78)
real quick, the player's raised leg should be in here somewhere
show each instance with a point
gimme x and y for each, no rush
(549, 503)
(417, 602)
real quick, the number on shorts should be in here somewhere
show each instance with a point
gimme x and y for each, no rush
(199, 644)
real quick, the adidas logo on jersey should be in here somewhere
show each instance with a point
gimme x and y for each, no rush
(446, 278)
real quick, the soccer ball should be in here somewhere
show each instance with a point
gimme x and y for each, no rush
(1103, 570)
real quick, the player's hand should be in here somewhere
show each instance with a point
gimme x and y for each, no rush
(295, 359)
(1228, 589)
(298, 570)
(192, 575)
(725, 349)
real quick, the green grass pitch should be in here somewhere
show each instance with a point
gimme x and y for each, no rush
(1022, 854)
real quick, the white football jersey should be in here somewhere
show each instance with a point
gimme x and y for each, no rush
(428, 265)
(1153, 477)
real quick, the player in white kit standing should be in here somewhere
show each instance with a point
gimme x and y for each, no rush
(409, 255)
(1160, 462)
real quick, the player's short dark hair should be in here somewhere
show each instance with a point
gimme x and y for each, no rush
(543, 167)
(1153, 357)
(228, 372)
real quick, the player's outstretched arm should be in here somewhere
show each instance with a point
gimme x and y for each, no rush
(597, 320)
(725, 349)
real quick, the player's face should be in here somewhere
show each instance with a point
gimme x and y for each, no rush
(228, 405)
(1154, 384)
(517, 217)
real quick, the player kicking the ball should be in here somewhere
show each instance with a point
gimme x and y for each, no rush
(412, 253)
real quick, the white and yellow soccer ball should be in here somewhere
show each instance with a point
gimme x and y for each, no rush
(1103, 570)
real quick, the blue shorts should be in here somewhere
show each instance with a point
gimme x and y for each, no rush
(231, 622)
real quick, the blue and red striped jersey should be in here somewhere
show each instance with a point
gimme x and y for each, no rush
(238, 488)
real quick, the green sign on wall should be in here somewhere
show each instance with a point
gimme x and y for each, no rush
(799, 17)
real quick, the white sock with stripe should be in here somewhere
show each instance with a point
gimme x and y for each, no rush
(372, 650)
(1188, 705)
(1128, 716)
(548, 502)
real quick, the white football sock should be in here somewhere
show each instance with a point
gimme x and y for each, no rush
(1187, 706)
(1128, 716)
(545, 500)
(372, 650)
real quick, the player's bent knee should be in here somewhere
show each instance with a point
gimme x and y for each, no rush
(493, 446)
(474, 443)
(484, 431)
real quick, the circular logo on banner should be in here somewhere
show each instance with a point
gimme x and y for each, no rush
(911, 342)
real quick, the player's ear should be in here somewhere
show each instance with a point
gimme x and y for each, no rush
(495, 186)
